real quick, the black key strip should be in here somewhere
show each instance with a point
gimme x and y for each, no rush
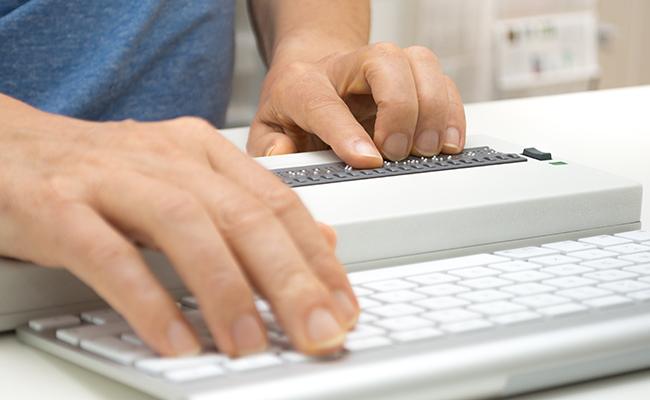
(340, 172)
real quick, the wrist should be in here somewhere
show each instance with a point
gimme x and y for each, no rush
(19, 118)
(311, 47)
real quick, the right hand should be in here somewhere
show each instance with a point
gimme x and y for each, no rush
(77, 194)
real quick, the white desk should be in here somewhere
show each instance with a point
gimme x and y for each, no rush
(609, 130)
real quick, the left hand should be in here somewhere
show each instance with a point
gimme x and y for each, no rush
(379, 100)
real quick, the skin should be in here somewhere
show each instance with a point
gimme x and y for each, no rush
(327, 88)
(83, 195)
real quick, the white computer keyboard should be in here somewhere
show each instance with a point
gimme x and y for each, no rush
(421, 302)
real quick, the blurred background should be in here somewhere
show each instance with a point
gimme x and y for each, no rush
(495, 49)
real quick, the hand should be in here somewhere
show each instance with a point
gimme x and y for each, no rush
(77, 194)
(401, 98)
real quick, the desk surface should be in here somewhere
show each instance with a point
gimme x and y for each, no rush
(609, 130)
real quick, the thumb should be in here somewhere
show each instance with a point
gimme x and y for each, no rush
(263, 141)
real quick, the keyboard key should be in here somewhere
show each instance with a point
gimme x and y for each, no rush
(190, 301)
(440, 303)
(526, 252)
(159, 365)
(424, 268)
(100, 317)
(556, 259)
(640, 295)
(609, 301)
(194, 373)
(583, 293)
(417, 334)
(132, 338)
(643, 269)
(404, 323)
(541, 300)
(568, 246)
(593, 254)
(359, 291)
(484, 296)
(445, 289)
(567, 282)
(567, 269)
(433, 278)
(390, 285)
(485, 283)
(625, 286)
(562, 309)
(607, 263)
(62, 321)
(514, 318)
(368, 343)
(639, 236)
(262, 305)
(467, 326)
(630, 248)
(526, 276)
(497, 307)
(515, 266)
(605, 240)
(256, 361)
(399, 296)
(363, 331)
(527, 288)
(87, 332)
(451, 315)
(116, 350)
(295, 357)
(364, 317)
(474, 272)
(610, 275)
(637, 258)
(365, 303)
(395, 310)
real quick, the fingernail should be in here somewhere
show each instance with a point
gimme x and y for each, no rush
(182, 340)
(427, 143)
(396, 146)
(452, 141)
(346, 306)
(323, 329)
(248, 335)
(269, 151)
(364, 148)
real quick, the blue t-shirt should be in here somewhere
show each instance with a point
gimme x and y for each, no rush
(117, 59)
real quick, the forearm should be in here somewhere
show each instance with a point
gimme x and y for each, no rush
(307, 30)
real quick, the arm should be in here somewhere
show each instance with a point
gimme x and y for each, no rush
(80, 194)
(287, 29)
(326, 87)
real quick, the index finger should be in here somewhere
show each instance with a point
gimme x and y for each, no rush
(302, 228)
(383, 70)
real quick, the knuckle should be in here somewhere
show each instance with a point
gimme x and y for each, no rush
(289, 283)
(237, 215)
(179, 207)
(422, 52)
(316, 103)
(399, 105)
(386, 49)
(193, 123)
(433, 101)
(103, 251)
(281, 200)
(297, 68)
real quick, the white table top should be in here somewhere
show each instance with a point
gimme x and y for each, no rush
(608, 129)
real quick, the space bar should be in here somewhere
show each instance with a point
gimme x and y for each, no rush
(424, 268)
